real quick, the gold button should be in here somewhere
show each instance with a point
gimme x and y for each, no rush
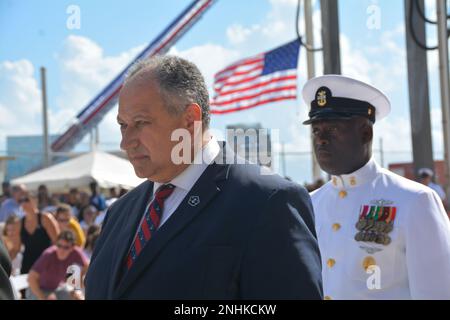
(368, 261)
(342, 194)
(352, 181)
(327, 298)
(336, 226)
(334, 181)
(331, 263)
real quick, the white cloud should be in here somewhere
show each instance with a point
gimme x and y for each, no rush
(209, 58)
(85, 70)
(20, 100)
(238, 34)
(382, 66)
(278, 26)
(354, 63)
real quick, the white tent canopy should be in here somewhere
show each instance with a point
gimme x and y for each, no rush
(108, 170)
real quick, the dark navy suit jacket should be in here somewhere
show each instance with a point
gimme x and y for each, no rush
(251, 236)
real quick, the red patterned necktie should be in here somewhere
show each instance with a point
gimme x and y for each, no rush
(150, 223)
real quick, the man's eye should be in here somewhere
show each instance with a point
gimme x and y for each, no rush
(140, 123)
(122, 126)
(333, 129)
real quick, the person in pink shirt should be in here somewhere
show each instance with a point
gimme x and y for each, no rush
(47, 277)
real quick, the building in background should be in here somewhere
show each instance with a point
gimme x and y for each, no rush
(251, 142)
(27, 153)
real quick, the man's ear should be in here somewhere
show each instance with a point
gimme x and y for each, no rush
(192, 113)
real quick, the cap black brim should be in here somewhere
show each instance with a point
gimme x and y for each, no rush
(328, 116)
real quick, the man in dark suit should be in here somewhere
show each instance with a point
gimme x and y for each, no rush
(201, 227)
(6, 292)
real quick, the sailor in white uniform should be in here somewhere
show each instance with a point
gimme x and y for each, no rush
(381, 236)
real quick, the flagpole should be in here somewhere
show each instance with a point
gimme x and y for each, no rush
(316, 173)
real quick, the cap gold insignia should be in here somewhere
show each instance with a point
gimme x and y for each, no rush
(321, 98)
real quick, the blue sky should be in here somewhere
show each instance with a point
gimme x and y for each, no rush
(81, 62)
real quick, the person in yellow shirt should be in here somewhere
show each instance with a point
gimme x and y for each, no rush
(67, 222)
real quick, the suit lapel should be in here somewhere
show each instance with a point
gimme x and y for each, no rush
(204, 190)
(130, 221)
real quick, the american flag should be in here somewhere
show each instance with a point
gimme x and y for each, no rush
(261, 79)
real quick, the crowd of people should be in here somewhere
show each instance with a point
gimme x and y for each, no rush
(46, 233)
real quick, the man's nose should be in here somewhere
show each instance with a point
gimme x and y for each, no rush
(321, 139)
(129, 139)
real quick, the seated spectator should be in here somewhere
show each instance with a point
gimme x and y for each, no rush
(11, 205)
(100, 217)
(44, 200)
(112, 197)
(89, 215)
(73, 200)
(11, 240)
(83, 203)
(54, 201)
(314, 186)
(112, 193)
(47, 277)
(38, 231)
(92, 234)
(6, 191)
(122, 192)
(97, 198)
(66, 221)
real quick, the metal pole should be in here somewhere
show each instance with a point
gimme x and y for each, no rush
(311, 74)
(92, 139)
(283, 160)
(45, 119)
(441, 9)
(97, 137)
(381, 153)
(419, 104)
(330, 37)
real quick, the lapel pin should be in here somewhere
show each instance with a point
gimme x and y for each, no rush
(194, 200)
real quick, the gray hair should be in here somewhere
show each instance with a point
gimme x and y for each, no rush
(180, 83)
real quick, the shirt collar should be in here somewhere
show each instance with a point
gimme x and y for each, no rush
(186, 179)
(346, 181)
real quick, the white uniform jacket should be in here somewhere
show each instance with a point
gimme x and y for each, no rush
(409, 260)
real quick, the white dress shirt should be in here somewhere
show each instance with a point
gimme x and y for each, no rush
(185, 180)
(414, 265)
